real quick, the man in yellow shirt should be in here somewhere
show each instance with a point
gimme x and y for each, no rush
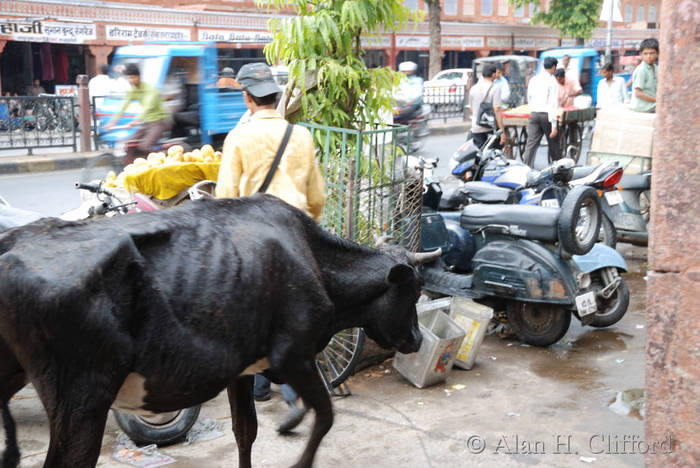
(249, 151)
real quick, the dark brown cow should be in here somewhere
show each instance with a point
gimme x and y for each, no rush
(160, 311)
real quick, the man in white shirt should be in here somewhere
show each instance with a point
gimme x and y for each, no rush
(611, 89)
(485, 90)
(101, 84)
(542, 99)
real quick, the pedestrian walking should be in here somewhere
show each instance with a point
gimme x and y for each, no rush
(645, 78)
(485, 98)
(267, 154)
(502, 83)
(611, 89)
(542, 97)
(100, 84)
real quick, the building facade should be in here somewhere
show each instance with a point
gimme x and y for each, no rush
(55, 40)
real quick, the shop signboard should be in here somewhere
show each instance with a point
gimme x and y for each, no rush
(418, 42)
(66, 90)
(119, 32)
(376, 43)
(49, 31)
(634, 45)
(499, 42)
(243, 37)
(547, 43)
(568, 42)
(598, 43)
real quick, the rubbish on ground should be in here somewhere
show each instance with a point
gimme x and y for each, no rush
(420, 403)
(205, 429)
(587, 459)
(459, 387)
(474, 318)
(629, 402)
(126, 451)
(619, 361)
(432, 364)
(509, 345)
(493, 358)
(513, 415)
(639, 327)
(524, 345)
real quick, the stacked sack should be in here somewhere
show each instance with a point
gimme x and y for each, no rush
(164, 176)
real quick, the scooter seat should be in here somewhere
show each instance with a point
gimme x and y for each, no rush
(585, 171)
(635, 181)
(530, 222)
(484, 192)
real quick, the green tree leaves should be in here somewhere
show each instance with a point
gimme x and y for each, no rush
(573, 18)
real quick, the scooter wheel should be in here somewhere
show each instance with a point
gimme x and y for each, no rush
(579, 220)
(608, 233)
(538, 324)
(611, 310)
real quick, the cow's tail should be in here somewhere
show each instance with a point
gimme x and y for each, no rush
(10, 459)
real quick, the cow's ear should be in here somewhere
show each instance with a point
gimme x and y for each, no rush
(400, 273)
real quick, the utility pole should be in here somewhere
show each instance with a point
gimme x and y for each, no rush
(608, 40)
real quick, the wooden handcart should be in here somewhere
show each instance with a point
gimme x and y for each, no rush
(571, 123)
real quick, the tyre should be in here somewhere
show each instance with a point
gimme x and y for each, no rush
(98, 167)
(160, 429)
(612, 309)
(538, 324)
(579, 220)
(608, 233)
(645, 207)
(338, 359)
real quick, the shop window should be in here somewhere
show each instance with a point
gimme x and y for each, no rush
(486, 7)
(629, 12)
(519, 12)
(451, 7)
(652, 13)
(640, 13)
(468, 7)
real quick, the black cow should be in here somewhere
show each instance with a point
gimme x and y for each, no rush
(161, 311)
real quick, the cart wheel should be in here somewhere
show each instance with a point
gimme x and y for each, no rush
(512, 140)
(522, 142)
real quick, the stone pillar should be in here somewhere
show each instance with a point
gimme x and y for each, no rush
(3, 43)
(482, 53)
(673, 292)
(100, 54)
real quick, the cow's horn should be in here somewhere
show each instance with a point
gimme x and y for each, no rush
(427, 257)
(382, 240)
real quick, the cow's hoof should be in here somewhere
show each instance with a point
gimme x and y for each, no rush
(294, 417)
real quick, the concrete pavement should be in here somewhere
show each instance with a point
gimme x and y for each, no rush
(13, 164)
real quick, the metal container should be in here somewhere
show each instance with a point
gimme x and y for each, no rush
(442, 338)
(474, 318)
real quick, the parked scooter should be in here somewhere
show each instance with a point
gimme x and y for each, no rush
(539, 264)
(628, 207)
(491, 178)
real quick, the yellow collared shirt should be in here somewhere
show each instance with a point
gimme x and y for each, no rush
(249, 150)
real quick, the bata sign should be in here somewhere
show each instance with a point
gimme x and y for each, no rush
(49, 31)
(114, 32)
(245, 37)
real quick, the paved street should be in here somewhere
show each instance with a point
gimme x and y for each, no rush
(526, 403)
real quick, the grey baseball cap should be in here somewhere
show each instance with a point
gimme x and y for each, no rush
(256, 78)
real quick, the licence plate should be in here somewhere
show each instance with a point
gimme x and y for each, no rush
(585, 304)
(613, 198)
(550, 203)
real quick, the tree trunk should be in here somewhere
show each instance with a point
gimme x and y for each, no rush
(435, 62)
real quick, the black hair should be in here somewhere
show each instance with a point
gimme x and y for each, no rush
(559, 72)
(489, 70)
(104, 69)
(550, 62)
(650, 43)
(132, 70)
(608, 67)
(499, 66)
(264, 100)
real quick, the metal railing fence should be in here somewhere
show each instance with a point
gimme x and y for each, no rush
(45, 121)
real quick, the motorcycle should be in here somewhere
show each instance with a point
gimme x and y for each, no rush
(409, 110)
(539, 264)
(628, 207)
(491, 178)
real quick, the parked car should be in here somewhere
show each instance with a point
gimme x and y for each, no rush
(517, 70)
(447, 86)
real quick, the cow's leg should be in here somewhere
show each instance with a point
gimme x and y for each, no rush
(304, 379)
(243, 418)
(77, 414)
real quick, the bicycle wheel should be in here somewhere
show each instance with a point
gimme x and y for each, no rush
(338, 359)
(98, 167)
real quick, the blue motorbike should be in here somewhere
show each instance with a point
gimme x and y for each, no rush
(540, 265)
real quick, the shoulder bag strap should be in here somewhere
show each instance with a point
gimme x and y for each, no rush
(278, 157)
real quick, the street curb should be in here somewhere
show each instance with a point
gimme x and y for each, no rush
(450, 129)
(44, 163)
